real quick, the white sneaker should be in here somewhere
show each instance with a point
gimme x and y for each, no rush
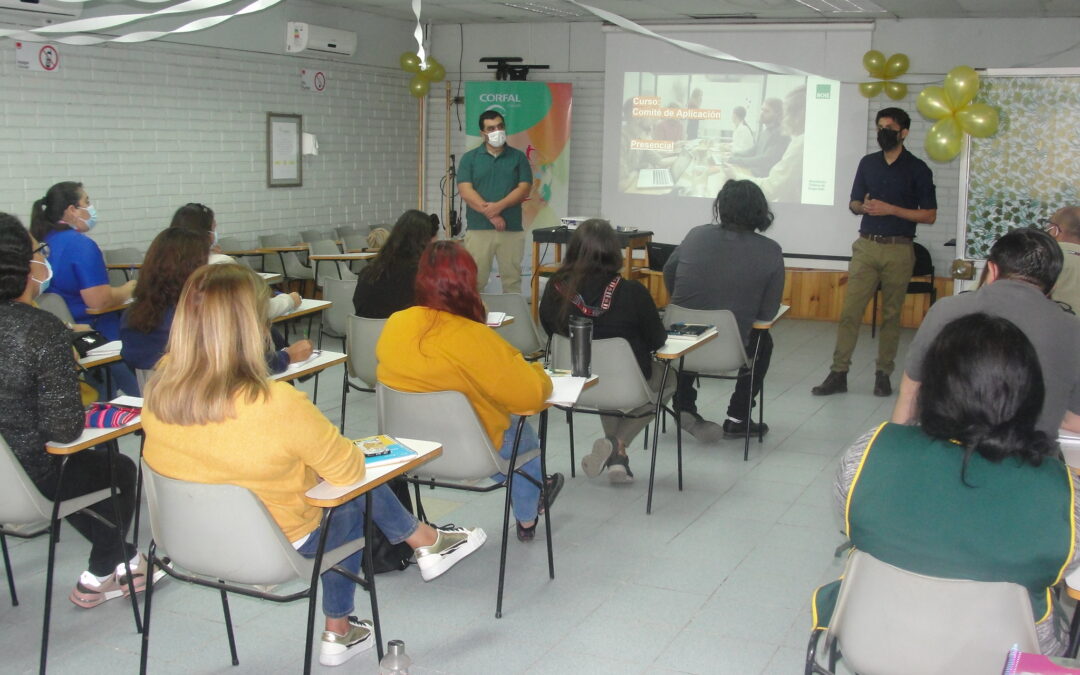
(452, 544)
(335, 649)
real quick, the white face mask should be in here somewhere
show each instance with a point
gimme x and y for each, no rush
(497, 138)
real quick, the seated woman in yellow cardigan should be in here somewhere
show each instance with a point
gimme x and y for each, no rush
(444, 344)
(212, 416)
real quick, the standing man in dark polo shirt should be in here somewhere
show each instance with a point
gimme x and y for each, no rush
(893, 192)
(493, 180)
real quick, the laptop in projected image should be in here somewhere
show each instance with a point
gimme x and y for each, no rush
(654, 178)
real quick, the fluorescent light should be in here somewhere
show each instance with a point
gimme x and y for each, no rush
(546, 10)
(843, 6)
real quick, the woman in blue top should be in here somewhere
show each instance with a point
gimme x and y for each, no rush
(61, 219)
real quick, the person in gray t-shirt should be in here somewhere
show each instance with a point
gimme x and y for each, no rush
(1020, 271)
(728, 265)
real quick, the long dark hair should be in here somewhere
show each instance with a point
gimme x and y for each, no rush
(172, 257)
(16, 252)
(593, 252)
(47, 211)
(983, 388)
(446, 280)
(741, 205)
(410, 235)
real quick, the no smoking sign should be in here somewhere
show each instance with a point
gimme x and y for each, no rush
(43, 58)
(313, 80)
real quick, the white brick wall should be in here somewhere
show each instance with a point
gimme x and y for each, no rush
(149, 127)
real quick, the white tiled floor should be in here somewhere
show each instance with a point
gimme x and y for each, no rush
(716, 580)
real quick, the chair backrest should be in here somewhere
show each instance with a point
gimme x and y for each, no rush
(219, 531)
(340, 293)
(924, 264)
(294, 269)
(20, 501)
(324, 247)
(722, 354)
(142, 376)
(309, 236)
(621, 386)
(276, 240)
(122, 255)
(54, 304)
(889, 621)
(362, 336)
(271, 261)
(447, 416)
(354, 241)
(523, 332)
(232, 244)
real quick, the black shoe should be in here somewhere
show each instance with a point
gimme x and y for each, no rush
(733, 429)
(835, 383)
(553, 486)
(882, 386)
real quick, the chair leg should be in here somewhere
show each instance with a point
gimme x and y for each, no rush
(510, 470)
(369, 576)
(114, 450)
(570, 425)
(138, 494)
(678, 446)
(543, 492)
(54, 536)
(229, 627)
(656, 434)
(7, 568)
(420, 513)
(344, 395)
(151, 556)
(315, 389)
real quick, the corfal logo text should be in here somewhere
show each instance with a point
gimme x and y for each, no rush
(499, 98)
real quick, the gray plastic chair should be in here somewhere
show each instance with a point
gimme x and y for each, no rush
(308, 236)
(346, 230)
(721, 358)
(25, 513)
(54, 304)
(354, 241)
(335, 319)
(523, 333)
(361, 336)
(122, 255)
(889, 621)
(271, 262)
(468, 454)
(329, 247)
(221, 536)
(621, 391)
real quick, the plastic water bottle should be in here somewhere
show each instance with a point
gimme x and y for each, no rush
(396, 662)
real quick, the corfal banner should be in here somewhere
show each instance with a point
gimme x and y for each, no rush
(537, 118)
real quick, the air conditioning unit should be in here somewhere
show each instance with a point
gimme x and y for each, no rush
(38, 12)
(301, 36)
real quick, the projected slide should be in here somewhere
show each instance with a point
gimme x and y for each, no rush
(686, 134)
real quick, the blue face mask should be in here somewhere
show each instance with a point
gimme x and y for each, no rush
(92, 220)
(44, 283)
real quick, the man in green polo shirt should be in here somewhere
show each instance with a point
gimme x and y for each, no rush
(494, 179)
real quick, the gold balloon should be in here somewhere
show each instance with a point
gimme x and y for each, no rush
(932, 103)
(874, 62)
(870, 89)
(410, 62)
(961, 84)
(434, 72)
(978, 119)
(944, 140)
(895, 90)
(896, 66)
(418, 87)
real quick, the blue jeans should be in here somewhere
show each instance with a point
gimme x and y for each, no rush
(347, 525)
(525, 496)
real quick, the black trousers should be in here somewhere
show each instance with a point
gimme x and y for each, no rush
(745, 390)
(86, 472)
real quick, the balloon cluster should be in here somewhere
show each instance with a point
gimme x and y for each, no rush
(427, 71)
(951, 106)
(885, 69)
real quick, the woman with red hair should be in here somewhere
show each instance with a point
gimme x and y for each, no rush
(444, 344)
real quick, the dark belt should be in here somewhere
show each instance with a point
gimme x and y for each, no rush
(883, 239)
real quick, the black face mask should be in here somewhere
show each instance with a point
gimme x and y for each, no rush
(888, 139)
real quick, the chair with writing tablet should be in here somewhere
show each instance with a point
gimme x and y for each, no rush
(122, 255)
(221, 536)
(889, 621)
(361, 336)
(720, 358)
(25, 513)
(523, 332)
(271, 261)
(308, 236)
(621, 390)
(329, 247)
(468, 455)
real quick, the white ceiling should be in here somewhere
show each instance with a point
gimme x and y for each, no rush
(683, 11)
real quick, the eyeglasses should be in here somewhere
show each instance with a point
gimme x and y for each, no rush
(43, 249)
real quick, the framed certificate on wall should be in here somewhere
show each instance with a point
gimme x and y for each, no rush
(283, 166)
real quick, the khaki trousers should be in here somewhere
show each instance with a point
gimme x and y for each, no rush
(506, 247)
(871, 264)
